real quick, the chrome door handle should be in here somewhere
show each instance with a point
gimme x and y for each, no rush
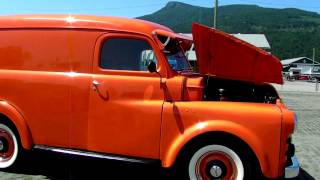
(95, 85)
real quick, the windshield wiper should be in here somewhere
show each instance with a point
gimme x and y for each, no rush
(185, 70)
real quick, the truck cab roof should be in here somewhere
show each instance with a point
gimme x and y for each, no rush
(79, 22)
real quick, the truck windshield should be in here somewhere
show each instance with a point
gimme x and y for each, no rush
(176, 57)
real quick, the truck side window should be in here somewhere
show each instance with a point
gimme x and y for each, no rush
(126, 54)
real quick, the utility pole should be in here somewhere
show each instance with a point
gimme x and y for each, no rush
(314, 55)
(215, 14)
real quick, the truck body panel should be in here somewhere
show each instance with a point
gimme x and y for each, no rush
(58, 92)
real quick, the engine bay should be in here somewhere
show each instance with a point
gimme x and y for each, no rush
(217, 89)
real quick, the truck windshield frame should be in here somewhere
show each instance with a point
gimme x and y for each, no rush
(176, 57)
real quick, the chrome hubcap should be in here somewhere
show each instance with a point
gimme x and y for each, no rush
(215, 171)
(1, 145)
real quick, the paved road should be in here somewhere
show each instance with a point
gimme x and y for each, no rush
(307, 135)
(299, 97)
(298, 86)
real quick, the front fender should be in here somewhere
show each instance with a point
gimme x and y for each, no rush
(17, 119)
(214, 126)
(259, 128)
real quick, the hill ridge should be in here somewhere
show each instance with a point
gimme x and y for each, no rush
(291, 32)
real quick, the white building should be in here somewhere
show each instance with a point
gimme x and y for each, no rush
(303, 63)
(258, 40)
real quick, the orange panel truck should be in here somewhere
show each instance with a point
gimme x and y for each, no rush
(123, 89)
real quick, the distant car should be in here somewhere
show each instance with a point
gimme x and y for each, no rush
(304, 77)
(294, 74)
(315, 75)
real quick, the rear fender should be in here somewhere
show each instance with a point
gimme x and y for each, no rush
(17, 119)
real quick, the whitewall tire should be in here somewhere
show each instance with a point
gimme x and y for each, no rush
(215, 162)
(9, 147)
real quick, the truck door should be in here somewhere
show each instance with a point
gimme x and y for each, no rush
(125, 99)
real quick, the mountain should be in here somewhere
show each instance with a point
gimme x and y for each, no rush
(291, 32)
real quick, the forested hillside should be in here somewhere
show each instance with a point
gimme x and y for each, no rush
(291, 32)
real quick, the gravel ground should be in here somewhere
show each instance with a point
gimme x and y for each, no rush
(307, 135)
(298, 86)
(299, 96)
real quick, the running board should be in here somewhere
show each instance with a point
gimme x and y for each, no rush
(96, 155)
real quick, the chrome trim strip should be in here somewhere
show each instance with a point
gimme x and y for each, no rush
(95, 155)
(293, 170)
(1, 145)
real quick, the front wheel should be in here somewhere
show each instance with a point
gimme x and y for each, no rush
(216, 162)
(222, 158)
(8, 147)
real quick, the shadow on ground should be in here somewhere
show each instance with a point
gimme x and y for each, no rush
(56, 166)
(304, 175)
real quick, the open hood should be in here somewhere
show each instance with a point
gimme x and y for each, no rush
(225, 56)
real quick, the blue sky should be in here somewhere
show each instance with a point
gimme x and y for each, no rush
(130, 8)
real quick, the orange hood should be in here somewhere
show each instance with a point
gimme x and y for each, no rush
(223, 55)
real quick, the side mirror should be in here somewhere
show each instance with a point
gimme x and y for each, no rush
(152, 67)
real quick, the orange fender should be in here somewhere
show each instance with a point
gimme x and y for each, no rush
(218, 126)
(18, 120)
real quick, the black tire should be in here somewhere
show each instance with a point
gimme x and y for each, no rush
(217, 160)
(314, 79)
